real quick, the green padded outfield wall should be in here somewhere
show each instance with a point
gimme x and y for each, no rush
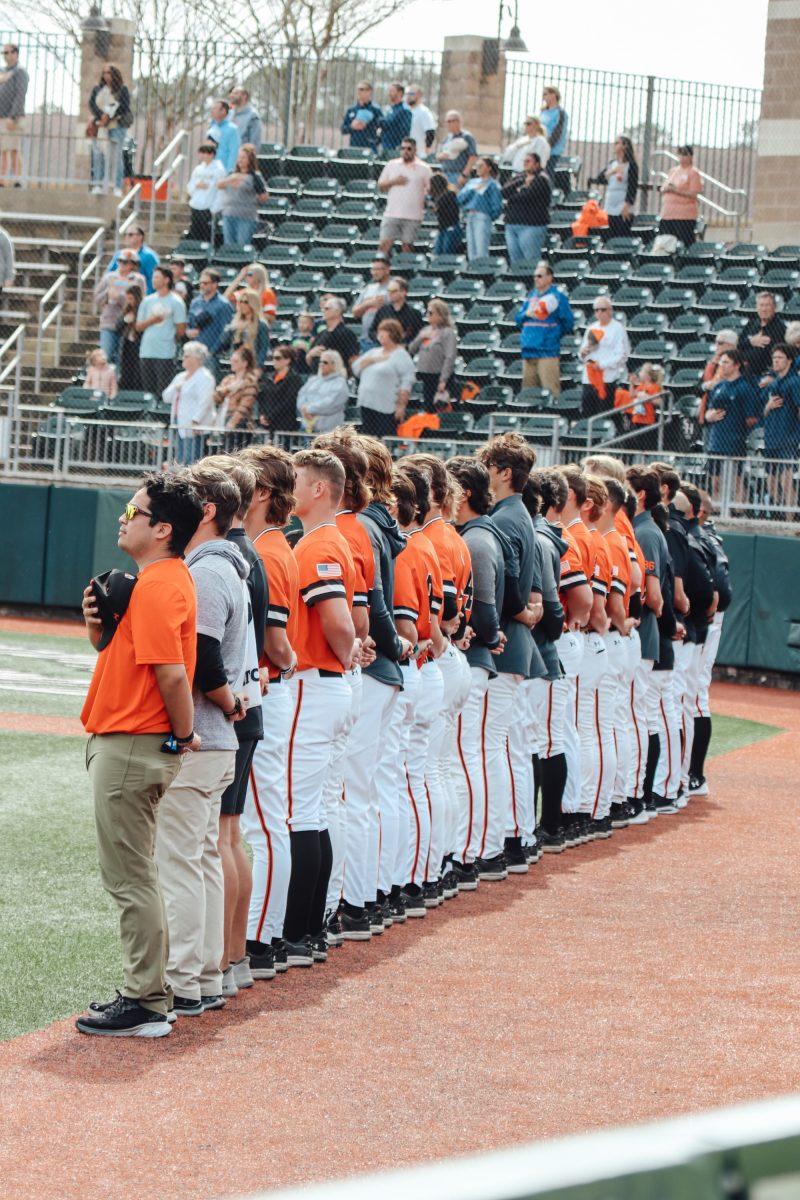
(54, 538)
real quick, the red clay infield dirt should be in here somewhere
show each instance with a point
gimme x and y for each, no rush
(651, 975)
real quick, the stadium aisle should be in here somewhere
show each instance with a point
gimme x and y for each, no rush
(552, 1003)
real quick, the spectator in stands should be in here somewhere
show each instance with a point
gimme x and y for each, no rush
(527, 198)
(645, 387)
(245, 118)
(362, 121)
(782, 423)
(242, 190)
(323, 397)
(161, 320)
(458, 151)
(532, 141)
(386, 377)
(236, 394)
(223, 133)
(604, 352)
(423, 122)
(725, 339)
(335, 336)
(209, 314)
(191, 397)
(761, 335)
(100, 373)
(792, 340)
(301, 338)
(396, 119)
(450, 235)
(205, 200)
(255, 276)
(130, 371)
(13, 89)
(621, 181)
(248, 327)
(407, 180)
(556, 125)
(148, 259)
(732, 410)
(543, 319)
(8, 266)
(277, 402)
(109, 297)
(371, 297)
(397, 309)
(110, 106)
(481, 201)
(183, 285)
(436, 346)
(679, 205)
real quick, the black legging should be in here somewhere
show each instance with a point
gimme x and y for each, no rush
(378, 424)
(684, 231)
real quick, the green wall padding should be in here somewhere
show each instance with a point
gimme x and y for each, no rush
(69, 555)
(107, 554)
(734, 645)
(23, 535)
(775, 605)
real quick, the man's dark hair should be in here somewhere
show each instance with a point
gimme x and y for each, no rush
(670, 479)
(207, 148)
(435, 472)
(401, 87)
(411, 141)
(692, 494)
(137, 229)
(474, 481)
(616, 492)
(784, 349)
(509, 450)
(734, 355)
(576, 480)
(212, 273)
(552, 487)
(532, 497)
(398, 281)
(165, 271)
(213, 486)
(422, 487)
(356, 465)
(174, 501)
(12, 46)
(225, 104)
(242, 474)
(405, 496)
(642, 479)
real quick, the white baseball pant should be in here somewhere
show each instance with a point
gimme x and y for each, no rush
(439, 761)
(609, 691)
(321, 707)
(427, 709)
(404, 719)
(623, 722)
(522, 741)
(471, 750)
(451, 769)
(686, 714)
(362, 756)
(662, 719)
(570, 653)
(595, 718)
(640, 689)
(264, 820)
(707, 660)
(386, 789)
(502, 697)
(335, 795)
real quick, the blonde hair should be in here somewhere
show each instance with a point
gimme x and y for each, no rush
(338, 365)
(248, 326)
(653, 372)
(442, 309)
(604, 464)
(792, 334)
(532, 120)
(90, 357)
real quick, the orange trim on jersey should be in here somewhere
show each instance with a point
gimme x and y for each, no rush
(430, 819)
(638, 744)
(291, 744)
(263, 916)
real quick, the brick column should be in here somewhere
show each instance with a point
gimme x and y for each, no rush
(97, 48)
(775, 209)
(476, 95)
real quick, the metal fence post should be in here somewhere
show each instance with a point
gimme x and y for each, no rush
(287, 98)
(647, 136)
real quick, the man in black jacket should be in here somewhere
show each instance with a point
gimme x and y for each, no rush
(397, 308)
(527, 199)
(760, 336)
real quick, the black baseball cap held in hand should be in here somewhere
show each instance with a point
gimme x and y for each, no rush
(112, 593)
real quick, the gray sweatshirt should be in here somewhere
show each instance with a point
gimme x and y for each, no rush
(219, 570)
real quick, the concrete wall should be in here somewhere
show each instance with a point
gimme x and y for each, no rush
(775, 210)
(477, 96)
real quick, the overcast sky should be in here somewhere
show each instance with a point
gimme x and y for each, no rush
(707, 40)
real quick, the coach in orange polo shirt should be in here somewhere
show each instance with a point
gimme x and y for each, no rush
(140, 694)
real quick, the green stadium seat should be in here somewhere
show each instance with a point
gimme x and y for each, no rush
(715, 301)
(285, 185)
(697, 276)
(524, 268)
(730, 320)
(407, 262)
(655, 350)
(290, 305)
(646, 324)
(585, 294)
(573, 247)
(230, 256)
(611, 272)
(654, 275)
(497, 422)
(493, 395)
(315, 209)
(274, 209)
(532, 399)
(702, 252)
(625, 248)
(695, 354)
(81, 400)
(584, 434)
(194, 252)
(483, 369)
(478, 342)
(303, 283)
(505, 291)
(783, 256)
(571, 272)
(632, 299)
(783, 281)
(361, 189)
(351, 163)
(361, 261)
(323, 258)
(685, 382)
(569, 402)
(509, 348)
(744, 254)
(541, 429)
(356, 212)
(321, 185)
(487, 269)
(334, 234)
(464, 290)
(446, 265)
(345, 283)
(279, 257)
(295, 233)
(422, 287)
(738, 279)
(369, 238)
(308, 161)
(672, 300)
(688, 326)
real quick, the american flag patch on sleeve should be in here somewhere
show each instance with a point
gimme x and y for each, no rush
(329, 570)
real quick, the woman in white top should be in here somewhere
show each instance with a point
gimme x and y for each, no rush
(606, 347)
(386, 376)
(323, 398)
(191, 395)
(621, 179)
(205, 199)
(533, 141)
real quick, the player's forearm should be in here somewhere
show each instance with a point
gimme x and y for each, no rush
(177, 697)
(278, 648)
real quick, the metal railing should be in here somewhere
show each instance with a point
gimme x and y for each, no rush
(131, 200)
(97, 243)
(665, 413)
(737, 213)
(178, 161)
(11, 355)
(56, 291)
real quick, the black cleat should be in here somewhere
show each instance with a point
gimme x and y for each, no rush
(333, 929)
(398, 909)
(279, 951)
(319, 947)
(492, 869)
(375, 918)
(466, 875)
(412, 899)
(124, 1018)
(430, 894)
(620, 816)
(515, 856)
(299, 954)
(356, 927)
(262, 960)
(551, 843)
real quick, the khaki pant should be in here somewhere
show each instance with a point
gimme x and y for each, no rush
(542, 372)
(129, 775)
(190, 872)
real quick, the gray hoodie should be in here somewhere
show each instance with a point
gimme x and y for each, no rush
(219, 570)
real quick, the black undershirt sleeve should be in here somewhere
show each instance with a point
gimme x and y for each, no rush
(210, 670)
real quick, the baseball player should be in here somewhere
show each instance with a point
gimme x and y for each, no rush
(326, 648)
(265, 812)
(722, 584)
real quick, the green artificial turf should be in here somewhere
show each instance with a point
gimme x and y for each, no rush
(729, 733)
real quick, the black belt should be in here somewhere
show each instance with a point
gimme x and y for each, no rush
(330, 674)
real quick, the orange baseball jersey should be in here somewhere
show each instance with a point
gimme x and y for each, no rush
(326, 572)
(585, 546)
(620, 564)
(622, 523)
(462, 564)
(572, 573)
(436, 532)
(281, 570)
(357, 539)
(434, 571)
(412, 590)
(601, 578)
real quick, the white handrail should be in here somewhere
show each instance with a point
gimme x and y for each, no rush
(57, 288)
(11, 438)
(723, 187)
(176, 162)
(131, 197)
(84, 271)
(736, 213)
(179, 136)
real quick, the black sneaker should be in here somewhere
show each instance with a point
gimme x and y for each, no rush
(638, 813)
(551, 843)
(123, 1017)
(375, 918)
(466, 876)
(440, 889)
(664, 806)
(319, 948)
(385, 909)
(449, 883)
(299, 954)
(398, 909)
(650, 804)
(698, 785)
(492, 869)
(333, 929)
(262, 960)
(430, 894)
(355, 928)
(279, 951)
(619, 816)
(183, 1006)
(413, 902)
(516, 859)
(603, 827)
(212, 1002)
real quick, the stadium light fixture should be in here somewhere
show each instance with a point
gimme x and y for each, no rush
(515, 43)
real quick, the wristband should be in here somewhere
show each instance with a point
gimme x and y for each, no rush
(184, 741)
(237, 708)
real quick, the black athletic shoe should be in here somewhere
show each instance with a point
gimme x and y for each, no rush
(551, 843)
(262, 960)
(492, 869)
(385, 909)
(398, 909)
(375, 918)
(664, 806)
(319, 948)
(430, 894)
(638, 813)
(124, 1018)
(333, 929)
(182, 1006)
(650, 803)
(300, 954)
(619, 816)
(603, 827)
(466, 875)
(570, 832)
(279, 951)
(440, 889)
(413, 902)
(355, 928)
(449, 883)
(698, 785)
(212, 1002)
(515, 856)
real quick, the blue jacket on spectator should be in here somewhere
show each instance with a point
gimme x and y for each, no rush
(782, 425)
(488, 200)
(395, 125)
(541, 336)
(556, 126)
(370, 134)
(225, 135)
(211, 318)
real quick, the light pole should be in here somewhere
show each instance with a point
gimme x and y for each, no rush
(514, 44)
